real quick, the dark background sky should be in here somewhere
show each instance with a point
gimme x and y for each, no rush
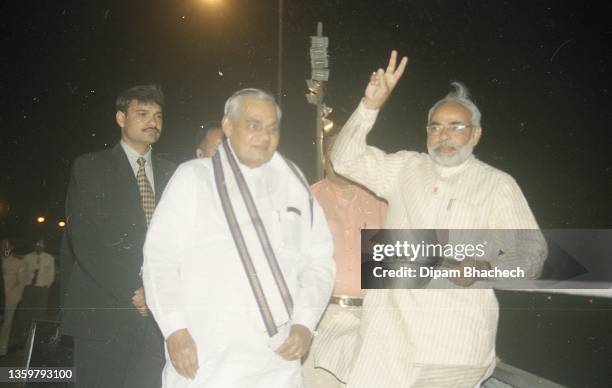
(539, 71)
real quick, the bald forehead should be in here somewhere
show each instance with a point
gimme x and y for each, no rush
(251, 106)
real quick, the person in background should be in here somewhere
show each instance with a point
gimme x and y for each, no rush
(14, 277)
(208, 138)
(111, 198)
(40, 275)
(348, 208)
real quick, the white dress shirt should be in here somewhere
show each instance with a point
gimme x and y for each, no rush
(43, 265)
(194, 278)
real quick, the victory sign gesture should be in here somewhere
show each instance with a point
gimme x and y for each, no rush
(382, 82)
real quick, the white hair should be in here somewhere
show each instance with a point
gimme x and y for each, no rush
(232, 105)
(459, 96)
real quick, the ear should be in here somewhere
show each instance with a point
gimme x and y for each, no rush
(199, 153)
(120, 117)
(226, 126)
(476, 135)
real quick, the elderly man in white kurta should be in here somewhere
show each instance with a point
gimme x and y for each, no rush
(246, 210)
(431, 338)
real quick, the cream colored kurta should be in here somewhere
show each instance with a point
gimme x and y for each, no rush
(403, 328)
(194, 278)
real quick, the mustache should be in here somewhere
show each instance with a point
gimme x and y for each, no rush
(153, 128)
(445, 144)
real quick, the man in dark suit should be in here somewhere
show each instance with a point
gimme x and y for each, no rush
(110, 201)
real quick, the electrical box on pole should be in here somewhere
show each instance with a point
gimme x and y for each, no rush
(319, 62)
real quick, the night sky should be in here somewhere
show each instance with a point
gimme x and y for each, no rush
(538, 70)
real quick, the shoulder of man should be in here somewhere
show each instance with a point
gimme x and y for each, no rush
(493, 172)
(317, 186)
(165, 164)
(92, 160)
(295, 169)
(199, 167)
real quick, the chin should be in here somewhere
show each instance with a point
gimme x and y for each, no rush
(447, 161)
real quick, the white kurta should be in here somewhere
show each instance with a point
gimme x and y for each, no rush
(404, 328)
(194, 279)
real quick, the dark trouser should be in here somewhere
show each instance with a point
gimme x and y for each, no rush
(33, 305)
(133, 359)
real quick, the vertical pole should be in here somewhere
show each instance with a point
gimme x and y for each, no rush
(279, 72)
(319, 134)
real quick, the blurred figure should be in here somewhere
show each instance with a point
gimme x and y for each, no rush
(111, 198)
(4, 252)
(14, 277)
(39, 275)
(348, 208)
(208, 139)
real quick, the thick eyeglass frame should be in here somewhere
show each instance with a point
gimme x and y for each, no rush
(436, 129)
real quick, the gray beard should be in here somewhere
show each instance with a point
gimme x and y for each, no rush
(461, 155)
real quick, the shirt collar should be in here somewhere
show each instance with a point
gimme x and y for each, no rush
(133, 156)
(333, 189)
(445, 171)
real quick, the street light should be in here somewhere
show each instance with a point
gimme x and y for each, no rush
(61, 224)
(40, 219)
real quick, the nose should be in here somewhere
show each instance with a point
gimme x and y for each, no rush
(265, 135)
(156, 122)
(444, 135)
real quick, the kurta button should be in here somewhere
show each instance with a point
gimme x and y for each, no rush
(435, 189)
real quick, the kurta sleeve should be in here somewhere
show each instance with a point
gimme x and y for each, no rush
(165, 242)
(354, 159)
(511, 211)
(317, 274)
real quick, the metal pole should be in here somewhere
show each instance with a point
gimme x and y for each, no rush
(319, 135)
(279, 72)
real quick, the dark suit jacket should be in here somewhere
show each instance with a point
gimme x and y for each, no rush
(105, 234)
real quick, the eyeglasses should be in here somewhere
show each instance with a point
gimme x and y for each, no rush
(436, 129)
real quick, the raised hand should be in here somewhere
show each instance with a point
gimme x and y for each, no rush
(382, 82)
